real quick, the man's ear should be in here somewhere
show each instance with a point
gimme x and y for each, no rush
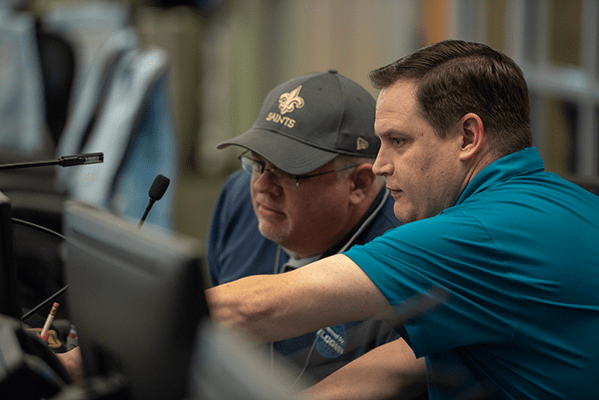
(361, 181)
(473, 134)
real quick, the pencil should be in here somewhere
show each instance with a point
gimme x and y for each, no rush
(49, 320)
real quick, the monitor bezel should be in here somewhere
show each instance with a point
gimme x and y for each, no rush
(10, 303)
(136, 298)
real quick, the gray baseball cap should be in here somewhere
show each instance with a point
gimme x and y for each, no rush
(309, 120)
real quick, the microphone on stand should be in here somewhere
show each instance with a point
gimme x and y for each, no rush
(157, 190)
(64, 161)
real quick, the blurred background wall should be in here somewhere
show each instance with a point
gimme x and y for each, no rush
(225, 55)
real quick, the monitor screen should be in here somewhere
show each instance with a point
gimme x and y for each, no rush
(9, 281)
(136, 298)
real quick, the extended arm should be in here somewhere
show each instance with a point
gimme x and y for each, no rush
(385, 371)
(276, 307)
(71, 360)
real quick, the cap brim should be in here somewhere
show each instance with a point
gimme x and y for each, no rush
(285, 153)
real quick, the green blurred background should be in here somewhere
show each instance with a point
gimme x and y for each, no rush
(226, 55)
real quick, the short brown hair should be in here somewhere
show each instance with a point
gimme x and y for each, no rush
(455, 77)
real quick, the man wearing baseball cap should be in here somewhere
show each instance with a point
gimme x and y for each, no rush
(306, 190)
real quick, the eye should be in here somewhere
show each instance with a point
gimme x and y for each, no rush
(397, 141)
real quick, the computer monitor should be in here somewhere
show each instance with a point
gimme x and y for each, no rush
(136, 298)
(9, 276)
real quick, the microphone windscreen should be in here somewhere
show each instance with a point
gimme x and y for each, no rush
(159, 186)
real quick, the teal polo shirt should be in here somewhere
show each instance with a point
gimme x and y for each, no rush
(518, 256)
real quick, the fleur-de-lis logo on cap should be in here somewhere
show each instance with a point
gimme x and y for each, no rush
(289, 101)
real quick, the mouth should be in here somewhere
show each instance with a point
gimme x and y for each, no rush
(267, 211)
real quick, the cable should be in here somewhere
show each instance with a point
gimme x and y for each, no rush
(43, 303)
(52, 233)
(38, 227)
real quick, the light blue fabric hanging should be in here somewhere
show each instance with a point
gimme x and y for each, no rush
(22, 111)
(124, 112)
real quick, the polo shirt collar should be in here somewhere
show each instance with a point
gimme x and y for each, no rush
(523, 162)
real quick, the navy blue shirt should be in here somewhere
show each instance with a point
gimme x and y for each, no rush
(237, 249)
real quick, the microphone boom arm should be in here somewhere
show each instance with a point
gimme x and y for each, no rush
(64, 161)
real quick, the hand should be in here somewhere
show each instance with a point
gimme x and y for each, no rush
(73, 363)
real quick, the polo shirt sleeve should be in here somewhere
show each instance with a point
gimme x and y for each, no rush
(456, 255)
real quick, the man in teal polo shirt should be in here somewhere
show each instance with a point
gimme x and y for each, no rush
(507, 251)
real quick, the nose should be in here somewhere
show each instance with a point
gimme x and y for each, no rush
(381, 166)
(263, 182)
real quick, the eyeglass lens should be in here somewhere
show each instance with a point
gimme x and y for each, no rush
(280, 177)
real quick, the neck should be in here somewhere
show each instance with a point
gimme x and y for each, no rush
(479, 164)
(336, 243)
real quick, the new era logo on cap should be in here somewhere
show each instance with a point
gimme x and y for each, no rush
(361, 144)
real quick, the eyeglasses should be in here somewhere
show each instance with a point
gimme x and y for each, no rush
(281, 178)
